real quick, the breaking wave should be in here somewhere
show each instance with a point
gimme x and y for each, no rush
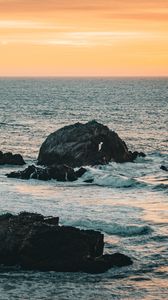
(112, 228)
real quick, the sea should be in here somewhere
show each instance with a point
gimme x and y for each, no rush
(127, 202)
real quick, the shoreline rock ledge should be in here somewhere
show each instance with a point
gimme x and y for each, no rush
(84, 144)
(34, 242)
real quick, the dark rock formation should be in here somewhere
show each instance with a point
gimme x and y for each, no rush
(35, 242)
(11, 159)
(105, 262)
(164, 168)
(136, 154)
(80, 172)
(60, 173)
(84, 144)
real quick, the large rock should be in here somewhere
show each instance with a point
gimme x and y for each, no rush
(35, 242)
(11, 159)
(84, 144)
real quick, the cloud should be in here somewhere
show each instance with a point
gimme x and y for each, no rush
(113, 5)
(80, 38)
(21, 24)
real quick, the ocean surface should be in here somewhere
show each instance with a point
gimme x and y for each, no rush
(127, 202)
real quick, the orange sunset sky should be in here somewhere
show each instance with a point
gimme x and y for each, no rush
(84, 38)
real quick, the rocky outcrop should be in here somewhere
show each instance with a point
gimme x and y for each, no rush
(84, 144)
(60, 173)
(35, 242)
(11, 159)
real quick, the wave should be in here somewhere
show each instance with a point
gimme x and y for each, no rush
(13, 124)
(161, 187)
(160, 238)
(111, 228)
(144, 172)
(108, 176)
(115, 181)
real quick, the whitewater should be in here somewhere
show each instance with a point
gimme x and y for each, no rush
(127, 202)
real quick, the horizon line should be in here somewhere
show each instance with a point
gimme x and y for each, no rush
(83, 76)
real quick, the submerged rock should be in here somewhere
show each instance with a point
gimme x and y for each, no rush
(164, 168)
(105, 262)
(11, 159)
(84, 144)
(136, 154)
(59, 172)
(35, 242)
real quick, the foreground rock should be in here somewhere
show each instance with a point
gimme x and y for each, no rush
(35, 242)
(11, 159)
(84, 144)
(60, 173)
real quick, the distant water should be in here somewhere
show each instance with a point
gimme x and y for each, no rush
(127, 202)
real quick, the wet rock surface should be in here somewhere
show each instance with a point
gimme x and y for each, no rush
(11, 159)
(59, 172)
(164, 168)
(35, 242)
(84, 144)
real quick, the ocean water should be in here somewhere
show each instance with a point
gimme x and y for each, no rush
(127, 202)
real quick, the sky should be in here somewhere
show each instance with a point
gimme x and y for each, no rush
(84, 38)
